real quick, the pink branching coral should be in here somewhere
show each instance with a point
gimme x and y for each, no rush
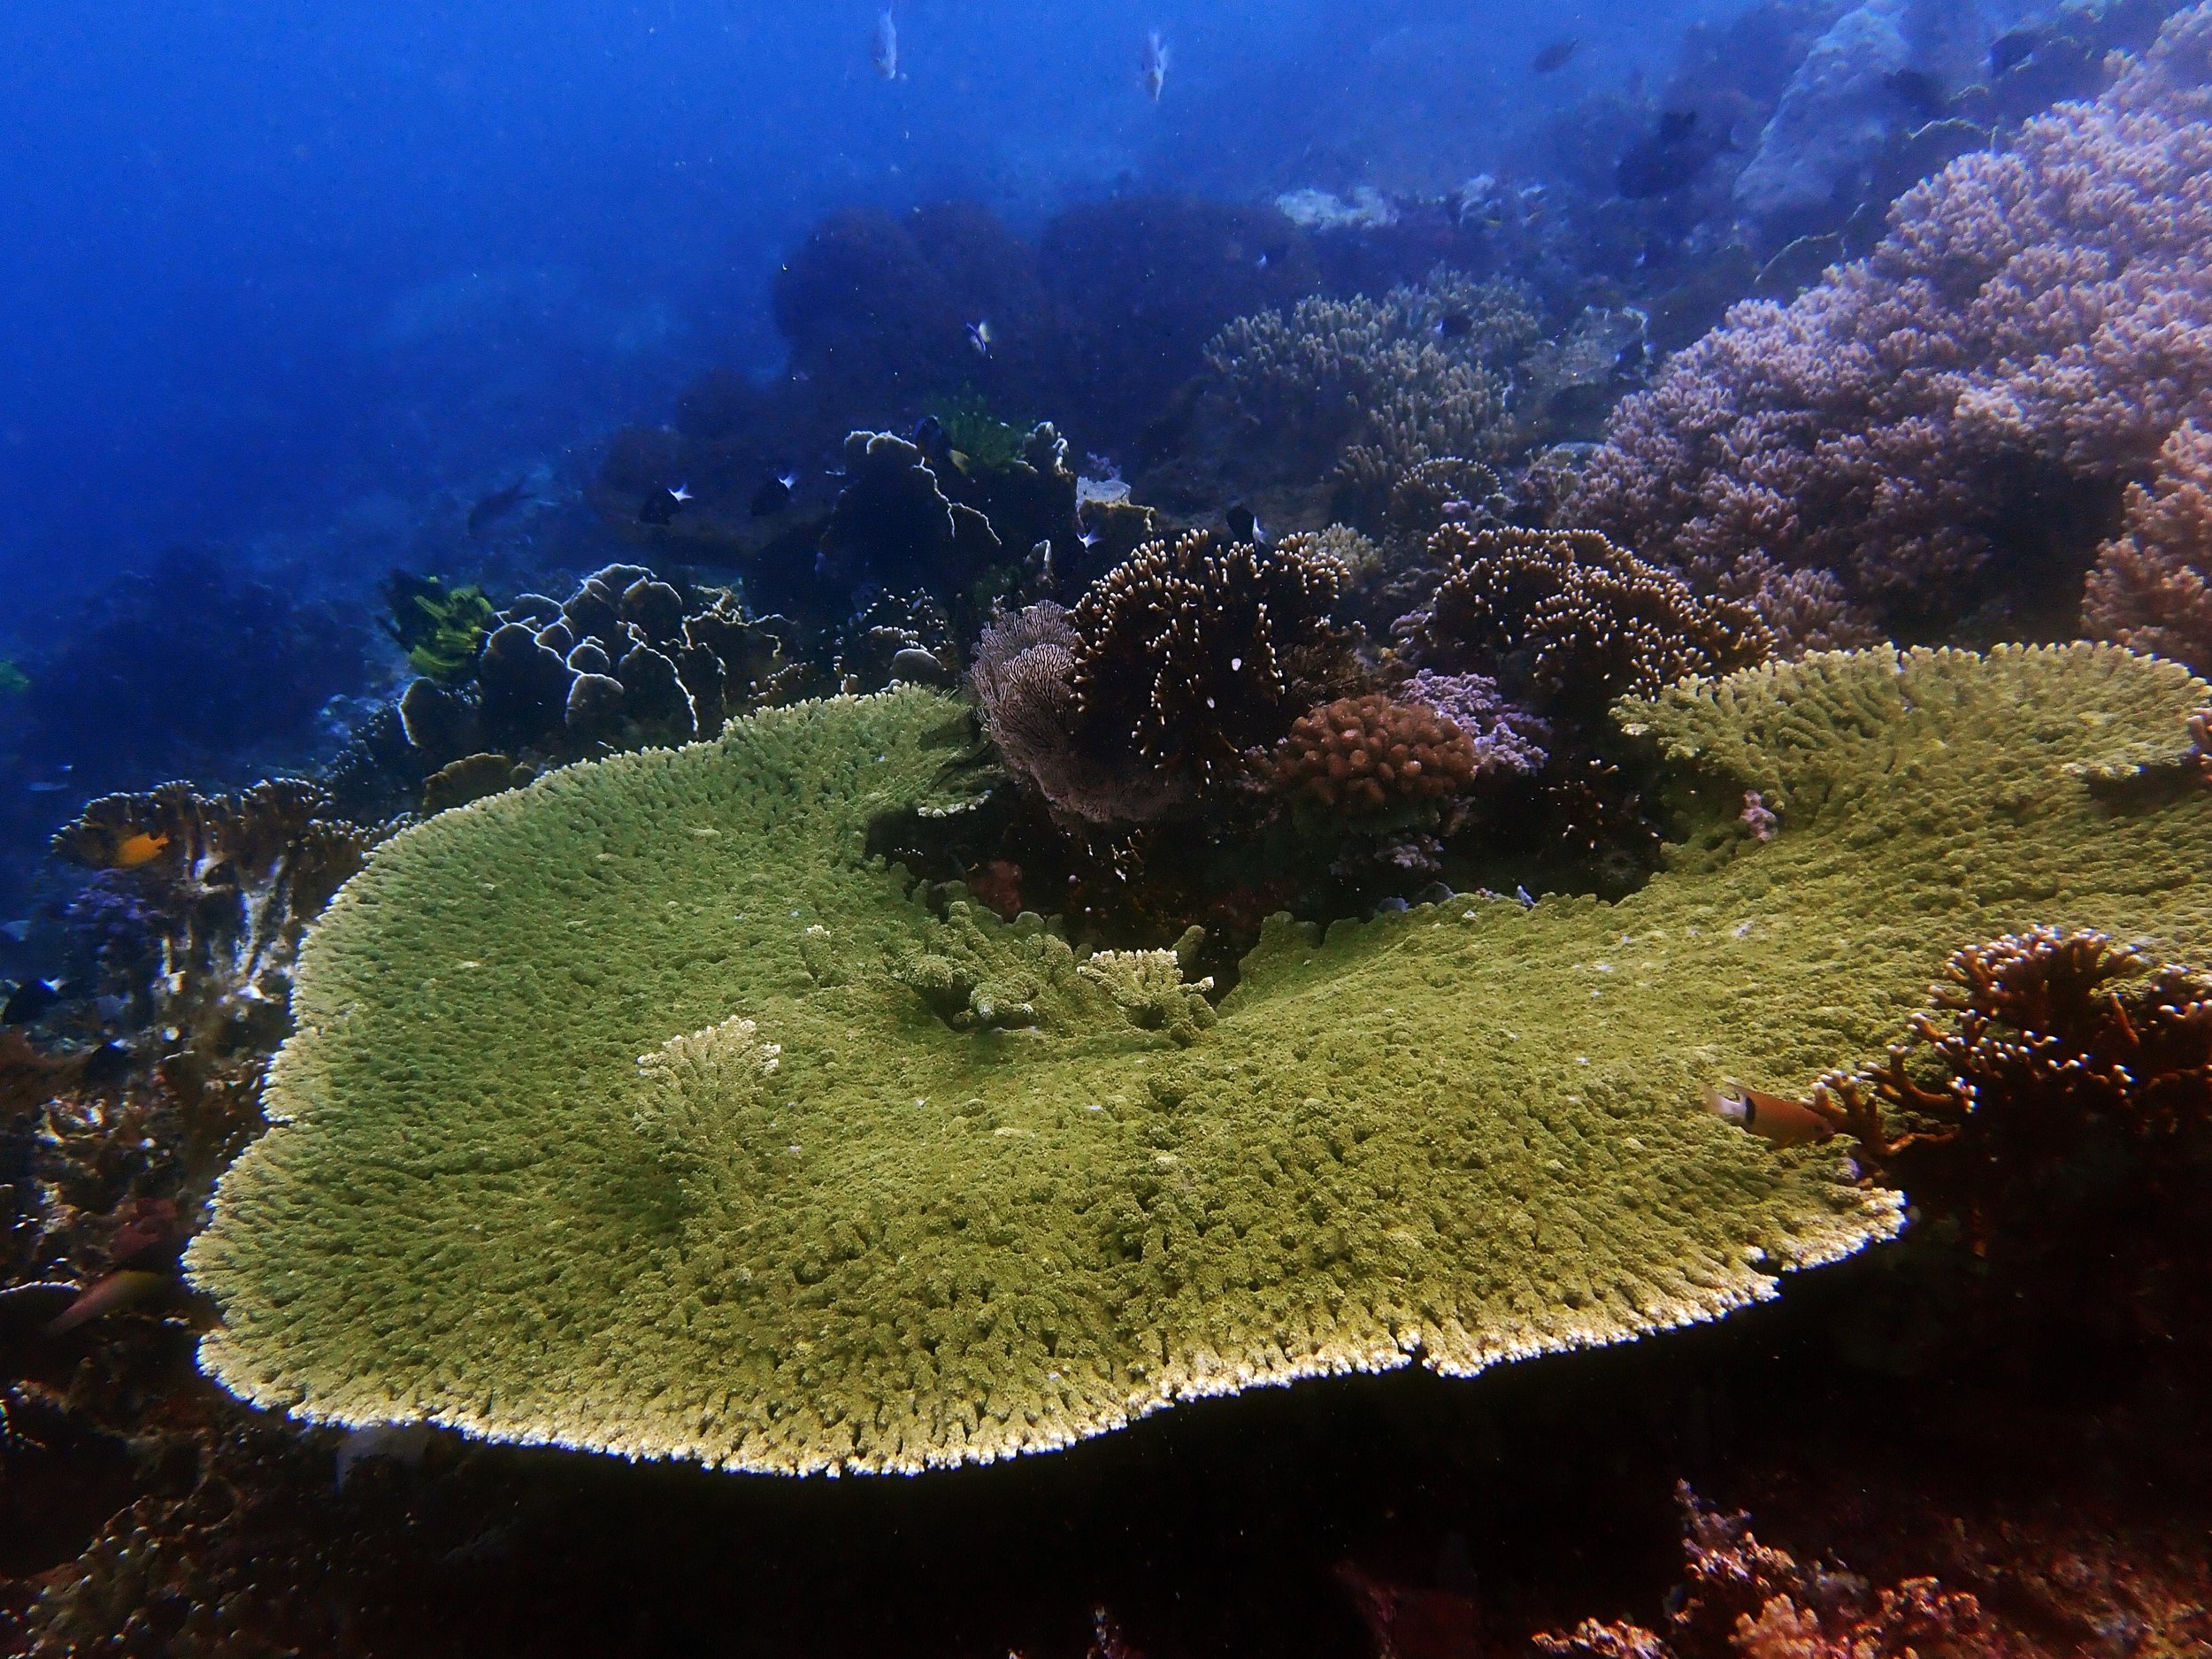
(2149, 589)
(1744, 1600)
(1368, 754)
(2035, 325)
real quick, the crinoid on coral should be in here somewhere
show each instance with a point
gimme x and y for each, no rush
(1950, 421)
(1193, 650)
(1468, 1133)
(1371, 754)
(1571, 621)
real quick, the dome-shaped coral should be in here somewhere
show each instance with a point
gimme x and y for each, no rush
(1368, 754)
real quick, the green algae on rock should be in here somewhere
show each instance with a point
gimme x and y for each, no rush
(640, 1111)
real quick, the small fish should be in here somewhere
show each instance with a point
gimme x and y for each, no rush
(1782, 1122)
(494, 507)
(980, 336)
(1155, 65)
(1918, 91)
(28, 1001)
(108, 1295)
(2009, 51)
(45, 787)
(884, 51)
(775, 494)
(1553, 56)
(140, 848)
(1453, 325)
(660, 506)
(1670, 159)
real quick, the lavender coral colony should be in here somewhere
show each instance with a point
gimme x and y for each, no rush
(1389, 830)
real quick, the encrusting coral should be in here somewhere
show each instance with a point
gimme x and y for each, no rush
(2031, 332)
(1465, 1133)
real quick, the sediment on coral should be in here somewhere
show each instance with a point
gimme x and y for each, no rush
(1950, 421)
(929, 1241)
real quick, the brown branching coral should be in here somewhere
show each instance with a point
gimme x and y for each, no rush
(2150, 589)
(1371, 754)
(228, 884)
(1745, 1599)
(1193, 651)
(1573, 621)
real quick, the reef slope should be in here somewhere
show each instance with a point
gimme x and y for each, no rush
(642, 1111)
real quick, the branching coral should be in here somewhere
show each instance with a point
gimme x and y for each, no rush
(1574, 620)
(1190, 653)
(1467, 1132)
(2150, 588)
(2035, 327)
(1506, 739)
(1370, 754)
(1382, 385)
(1745, 1599)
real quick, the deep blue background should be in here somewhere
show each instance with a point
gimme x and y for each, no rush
(262, 260)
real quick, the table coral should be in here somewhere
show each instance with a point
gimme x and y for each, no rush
(2031, 332)
(1463, 1134)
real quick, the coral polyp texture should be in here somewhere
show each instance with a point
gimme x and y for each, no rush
(2036, 325)
(641, 1110)
(1368, 754)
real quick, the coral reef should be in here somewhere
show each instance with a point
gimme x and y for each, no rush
(441, 629)
(1741, 1597)
(974, 1219)
(2148, 588)
(1938, 423)
(1371, 754)
(1571, 620)
(627, 660)
(893, 525)
(1193, 651)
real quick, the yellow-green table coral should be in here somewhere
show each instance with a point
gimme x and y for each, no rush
(640, 1112)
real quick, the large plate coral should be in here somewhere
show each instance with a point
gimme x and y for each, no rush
(642, 1111)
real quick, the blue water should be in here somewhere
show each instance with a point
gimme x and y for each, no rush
(264, 262)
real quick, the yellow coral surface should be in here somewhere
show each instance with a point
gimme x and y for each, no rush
(640, 1110)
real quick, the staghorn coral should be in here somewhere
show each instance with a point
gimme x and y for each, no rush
(1369, 755)
(2031, 332)
(1192, 652)
(1467, 1132)
(1575, 621)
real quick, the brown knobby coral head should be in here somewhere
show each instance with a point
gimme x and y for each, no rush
(1575, 621)
(1196, 650)
(1370, 754)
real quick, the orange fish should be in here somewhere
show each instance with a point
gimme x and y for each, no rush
(1773, 1117)
(142, 848)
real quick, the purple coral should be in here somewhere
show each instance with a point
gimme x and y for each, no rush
(1506, 738)
(2035, 327)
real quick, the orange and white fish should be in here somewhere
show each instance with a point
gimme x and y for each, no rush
(885, 53)
(1155, 65)
(1773, 1117)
